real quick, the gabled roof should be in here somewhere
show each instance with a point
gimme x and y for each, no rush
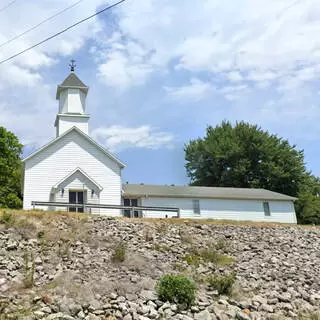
(83, 174)
(89, 139)
(71, 81)
(202, 192)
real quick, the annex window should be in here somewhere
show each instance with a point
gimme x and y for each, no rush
(196, 206)
(266, 209)
(131, 203)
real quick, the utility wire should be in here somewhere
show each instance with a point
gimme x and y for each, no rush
(8, 5)
(62, 31)
(39, 24)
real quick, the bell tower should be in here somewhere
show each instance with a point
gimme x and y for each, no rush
(71, 94)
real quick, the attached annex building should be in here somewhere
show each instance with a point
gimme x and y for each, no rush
(73, 168)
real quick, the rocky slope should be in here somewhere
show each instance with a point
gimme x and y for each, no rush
(56, 266)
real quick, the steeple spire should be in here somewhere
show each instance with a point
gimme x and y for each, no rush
(72, 65)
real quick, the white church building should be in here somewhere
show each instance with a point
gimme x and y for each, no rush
(74, 169)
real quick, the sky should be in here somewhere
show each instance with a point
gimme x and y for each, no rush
(159, 72)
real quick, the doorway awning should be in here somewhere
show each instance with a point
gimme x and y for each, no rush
(78, 173)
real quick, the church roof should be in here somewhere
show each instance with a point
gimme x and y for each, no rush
(106, 152)
(71, 81)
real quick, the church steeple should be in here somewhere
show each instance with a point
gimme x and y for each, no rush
(72, 94)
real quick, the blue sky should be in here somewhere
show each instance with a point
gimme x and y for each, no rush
(159, 72)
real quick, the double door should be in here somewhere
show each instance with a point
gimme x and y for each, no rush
(76, 197)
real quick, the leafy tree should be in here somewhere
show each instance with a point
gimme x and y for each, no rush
(308, 204)
(245, 156)
(10, 170)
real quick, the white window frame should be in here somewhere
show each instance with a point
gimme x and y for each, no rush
(266, 209)
(196, 206)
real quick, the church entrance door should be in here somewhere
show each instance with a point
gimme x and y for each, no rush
(76, 197)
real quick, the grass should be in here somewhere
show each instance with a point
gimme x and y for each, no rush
(223, 284)
(161, 247)
(119, 253)
(221, 244)
(196, 257)
(309, 315)
(7, 218)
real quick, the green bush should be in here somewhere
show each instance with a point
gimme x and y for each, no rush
(223, 284)
(177, 289)
(7, 218)
(119, 253)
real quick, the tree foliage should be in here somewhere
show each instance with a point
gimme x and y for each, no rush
(10, 170)
(245, 156)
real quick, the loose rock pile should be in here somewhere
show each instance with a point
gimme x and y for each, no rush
(66, 272)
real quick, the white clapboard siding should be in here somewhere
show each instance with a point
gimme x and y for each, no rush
(49, 167)
(65, 123)
(241, 210)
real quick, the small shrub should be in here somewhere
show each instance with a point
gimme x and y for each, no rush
(8, 219)
(177, 289)
(223, 284)
(119, 253)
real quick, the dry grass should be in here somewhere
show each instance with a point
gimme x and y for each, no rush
(161, 224)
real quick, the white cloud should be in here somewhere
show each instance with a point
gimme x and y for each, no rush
(117, 138)
(234, 76)
(194, 91)
(249, 40)
(120, 71)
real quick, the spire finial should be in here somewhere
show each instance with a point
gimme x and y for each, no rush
(72, 65)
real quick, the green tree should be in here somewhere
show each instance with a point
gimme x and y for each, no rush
(10, 170)
(308, 204)
(245, 156)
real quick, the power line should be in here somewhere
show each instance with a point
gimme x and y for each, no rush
(62, 31)
(39, 24)
(8, 5)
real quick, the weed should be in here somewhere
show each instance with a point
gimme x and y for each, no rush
(64, 249)
(8, 219)
(40, 235)
(208, 255)
(185, 237)
(161, 247)
(309, 315)
(179, 267)
(176, 288)
(221, 244)
(162, 228)
(119, 253)
(223, 284)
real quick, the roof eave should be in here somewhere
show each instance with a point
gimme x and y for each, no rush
(122, 165)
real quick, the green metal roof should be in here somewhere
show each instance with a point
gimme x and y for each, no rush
(140, 190)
